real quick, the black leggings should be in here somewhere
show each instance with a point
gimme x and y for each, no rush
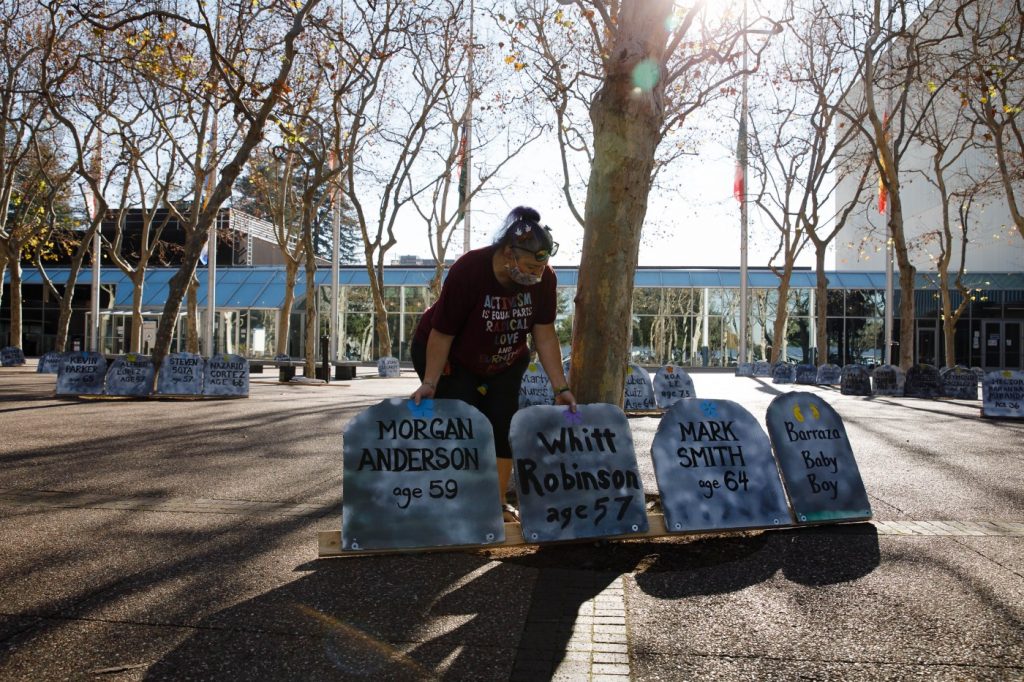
(496, 396)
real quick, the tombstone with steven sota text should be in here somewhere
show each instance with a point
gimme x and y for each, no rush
(576, 473)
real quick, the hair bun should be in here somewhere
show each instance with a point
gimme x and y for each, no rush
(525, 213)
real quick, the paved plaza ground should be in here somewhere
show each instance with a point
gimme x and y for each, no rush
(177, 540)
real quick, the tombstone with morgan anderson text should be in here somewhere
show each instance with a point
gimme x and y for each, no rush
(420, 476)
(672, 384)
(806, 374)
(959, 382)
(855, 381)
(1003, 394)
(715, 469)
(82, 373)
(923, 381)
(181, 374)
(535, 388)
(50, 363)
(11, 356)
(226, 376)
(887, 380)
(829, 374)
(639, 393)
(816, 460)
(130, 375)
(576, 473)
(388, 367)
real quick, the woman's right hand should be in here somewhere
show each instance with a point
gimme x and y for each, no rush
(424, 392)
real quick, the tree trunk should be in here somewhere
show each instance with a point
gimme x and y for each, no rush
(312, 318)
(821, 304)
(15, 337)
(192, 317)
(291, 271)
(781, 315)
(138, 281)
(908, 279)
(627, 122)
(3, 269)
(66, 300)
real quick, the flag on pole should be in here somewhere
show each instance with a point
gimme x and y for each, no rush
(738, 189)
(883, 192)
(463, 176)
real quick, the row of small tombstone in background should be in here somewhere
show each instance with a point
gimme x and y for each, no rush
(920, 381)
(181, 374)
(641, 394)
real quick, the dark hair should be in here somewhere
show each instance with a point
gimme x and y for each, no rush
(522, 228)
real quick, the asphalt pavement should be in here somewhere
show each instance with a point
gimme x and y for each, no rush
(161, 539)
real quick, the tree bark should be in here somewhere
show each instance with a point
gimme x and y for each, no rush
(312, 318)
(821, 303)
(192, 317)
(291, 273)
(781, 315)
(15, 335)
(908, 279)
(138, 282)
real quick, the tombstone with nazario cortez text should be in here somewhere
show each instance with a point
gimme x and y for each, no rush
(783, 373)
(762, 368)
(50, 363)
(1002, 394)
(82, 373)
(576, 473)
(887, 380)
(816, 460)
(715, 469)
(420, 476)
(745, 369)
(806, 374)
(639, 393)
(672, 384)
(959, 382)
(11, 356)
(388, 367)
(855, 380)
(181, 374)
(130, 375)
(923, 381)
(535, 388)
(226, 376)
(829, 374)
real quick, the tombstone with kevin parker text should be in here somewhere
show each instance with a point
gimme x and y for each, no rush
(1002, 394)
(576, 473)
(715, 469)
(535, 389)
(420, 476)
(672, 384)
(82, 373)
(639, 393)
(226, 376)
(816, 460)
(130, 375)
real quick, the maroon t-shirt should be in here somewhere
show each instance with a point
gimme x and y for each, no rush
(488, 321)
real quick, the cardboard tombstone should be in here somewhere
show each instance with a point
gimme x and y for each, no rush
(535, 388)
(1003, 394)
(181, 374)
(715, 469)
(816, 460)
(82, 373)
(855, 380)
(639, 393)
(226, 376)
(980, 373)
(959, 382)
(50, 363)
(388, 368)
(130, 375)
(923, 381)
(672, 384)
(745, 369)
(282, 357)
(887, 380)
(762, 368)
(576, 473)
(829, 375)
(11, 356)
(806, 374)
(783, 373)
(420, 476)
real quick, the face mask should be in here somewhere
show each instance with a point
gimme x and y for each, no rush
(519, 277)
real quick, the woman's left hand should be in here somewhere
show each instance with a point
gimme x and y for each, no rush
(566, 398)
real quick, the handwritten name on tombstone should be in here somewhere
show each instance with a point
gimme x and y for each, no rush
(783, 373)
(50, 363)
(82, 373)
(388, 367)
(762, 368)
(535, 389)
(855, 380)
(829, 374)
(960, 383)
(745, 369)
(11, 356)
(1003, 394)
(816, 460)
(420, 476)
(672, 384)
(576, 473)
(226, 376)
(715, 469)
(887, 380)
(639, 393)
(181, 374)
(130, 375)
(923, 381)
(806, 374)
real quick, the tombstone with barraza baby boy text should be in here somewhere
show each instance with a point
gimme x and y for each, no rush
(181, 374)
(82, 373)
(887, 380)
(639, 393)
(420, 476)
(576, 473)
(11, 356)
(715, 469)
(923, 381)
(227, 376)
(1002, 394)
(855, 381)
(50, 363)
(960, 383)
(535, 388)
(130, 376)
(672, 384)
(816, 460)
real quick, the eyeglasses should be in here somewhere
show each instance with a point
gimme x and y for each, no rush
(542, 255)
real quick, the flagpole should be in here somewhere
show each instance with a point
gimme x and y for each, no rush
(467, 164)
(97, 245)
(744, 217)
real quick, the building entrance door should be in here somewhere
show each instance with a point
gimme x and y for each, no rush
(1002, 344)
(927, 344)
